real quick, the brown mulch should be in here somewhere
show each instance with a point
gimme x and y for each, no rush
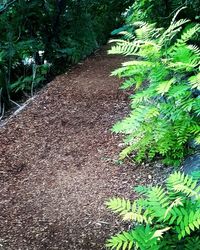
(57, 163)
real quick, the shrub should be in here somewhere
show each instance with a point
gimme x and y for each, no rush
(164, 218)
(163, 70)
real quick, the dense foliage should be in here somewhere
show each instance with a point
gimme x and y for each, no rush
(164, 72)
(40, 37)
(161, 11)
(164, 218)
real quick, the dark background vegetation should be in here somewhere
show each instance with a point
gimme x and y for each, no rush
(65, 31)
(162, 11)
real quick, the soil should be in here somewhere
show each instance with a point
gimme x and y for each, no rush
(58, 163)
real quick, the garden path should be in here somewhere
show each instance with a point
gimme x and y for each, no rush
(57, 162)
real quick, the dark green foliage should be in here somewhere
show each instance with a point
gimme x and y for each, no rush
(163, 218)
(162, 11)
(164, 73)
(66, 32)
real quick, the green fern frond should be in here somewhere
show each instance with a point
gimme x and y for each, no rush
(196, 107)
(132, 122)
(187, 35)
(158, 201)
(126, 152)
(123, 241)
(158, 73)
(142, 64)
(128, 210)
(130, 71)
(189, 191)
(127, 35)
(192, 243)
(190, 222)
(125, 47)
(197, 139)
(133, 216)
(142, 190)
(118, 205)
(136, 81)
(182, 66)
(141, 237)
(177, 91)
(146, 31)
(149, 51)
(195, 49)
(195, 81)
(143, 96)
(173, 29)
(159, 233)
(174, 217)
(164, 87)
(175, 203)
(128, 83)
(185, 184)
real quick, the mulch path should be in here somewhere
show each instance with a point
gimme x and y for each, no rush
(58, 163)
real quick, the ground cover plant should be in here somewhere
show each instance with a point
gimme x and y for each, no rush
(163, 218)
(163, 72)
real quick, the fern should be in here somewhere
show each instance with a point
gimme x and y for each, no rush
(164, 87)
(125, 48)
(180, 183)
(142, 237)
(195, 81)
(186, 36)
(192, 243)
(174, 28)
(164, 76)
(121, 241)
(129, 211)
(173, 212)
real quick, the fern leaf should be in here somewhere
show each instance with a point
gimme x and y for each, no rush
(189, 191)
(197, 139)
(128, 83)
(189, 223)
(192, 243)
(142, 190)
(126, 152)
(118, 205)
(183, 183)
(164, 87)
(195, 81)
(158, 201)
(182, 66)
(175, 203)
(173, 29)
(195, 49)
(140, 238)
(138, 63)
(125, 47)
(123, 241)
(159, 233)
(128, 210)
(187, 35)
(146, 31)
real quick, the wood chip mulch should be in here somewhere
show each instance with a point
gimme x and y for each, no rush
(58, 163)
